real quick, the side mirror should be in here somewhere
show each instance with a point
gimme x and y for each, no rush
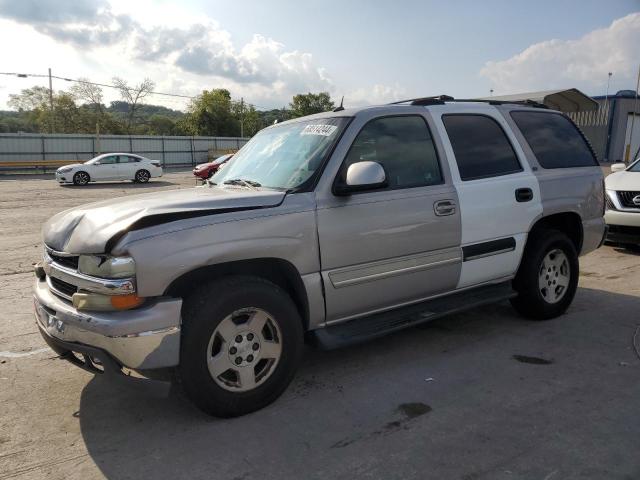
(618, 167)
(96, 163)
(362, 176)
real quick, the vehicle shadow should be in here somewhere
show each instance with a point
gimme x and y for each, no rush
(125, 184)
(458, 394)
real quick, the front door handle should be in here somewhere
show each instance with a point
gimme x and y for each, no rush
(524, 195)
(444, 207)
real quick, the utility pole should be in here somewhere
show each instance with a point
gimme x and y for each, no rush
(606, 113)
(633, 119)
(50, 102)
(242, 117)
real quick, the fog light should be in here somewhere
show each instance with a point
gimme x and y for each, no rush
(105, 303)
(39, 271)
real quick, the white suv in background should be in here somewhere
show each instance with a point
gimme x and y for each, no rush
(623, 203)
(110, 166)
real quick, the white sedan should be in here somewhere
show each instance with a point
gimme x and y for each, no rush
(110, 166)
(623, 203)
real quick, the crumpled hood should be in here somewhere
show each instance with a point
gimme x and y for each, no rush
(626, 181)
(88, 228)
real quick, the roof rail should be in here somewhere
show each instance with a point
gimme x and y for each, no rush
(441, 99)
(437, 100)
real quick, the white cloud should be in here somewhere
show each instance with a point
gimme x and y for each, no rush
(375, 95)
(582, 63)
(99, 39)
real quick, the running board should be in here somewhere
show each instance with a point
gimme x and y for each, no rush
(379, 324)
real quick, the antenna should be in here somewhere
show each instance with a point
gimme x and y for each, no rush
(340, 108)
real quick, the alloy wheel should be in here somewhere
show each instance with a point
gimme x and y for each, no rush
(244, 349)
(554, 276)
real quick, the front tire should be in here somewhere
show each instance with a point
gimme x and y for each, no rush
(548, 276)
(241, 344)
(142, 176)
(81, 178)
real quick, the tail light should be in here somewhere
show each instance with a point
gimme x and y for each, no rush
(156, 163)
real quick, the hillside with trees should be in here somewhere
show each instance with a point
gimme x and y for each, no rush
(81, 109)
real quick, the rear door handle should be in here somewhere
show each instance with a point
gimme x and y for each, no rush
(444, 207)
(524, 195)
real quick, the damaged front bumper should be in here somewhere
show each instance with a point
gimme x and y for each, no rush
(142, 339)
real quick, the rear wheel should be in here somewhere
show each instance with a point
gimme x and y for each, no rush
(81, 178)
(548, 276)
(241, 345)
(142, 176)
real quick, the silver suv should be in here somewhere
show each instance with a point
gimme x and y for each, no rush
(334, 228)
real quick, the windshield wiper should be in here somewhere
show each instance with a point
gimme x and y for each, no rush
(253, 185)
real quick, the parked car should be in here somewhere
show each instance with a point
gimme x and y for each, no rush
(110, 166)
(336, 228)
(205, 170)
(623, 203)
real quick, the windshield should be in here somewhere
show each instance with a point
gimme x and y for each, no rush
(635, 167)
(282, 157)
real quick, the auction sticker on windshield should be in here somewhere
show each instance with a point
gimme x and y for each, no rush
(324, 130)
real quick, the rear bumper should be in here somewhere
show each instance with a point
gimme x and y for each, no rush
(594, 231)
(141, 339)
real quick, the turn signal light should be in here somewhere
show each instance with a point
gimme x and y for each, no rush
(105, 303)
(125, 302)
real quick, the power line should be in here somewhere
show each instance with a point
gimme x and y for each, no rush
(106, 85)
(86, 82)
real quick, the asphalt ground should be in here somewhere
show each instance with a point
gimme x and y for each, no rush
(480, 395)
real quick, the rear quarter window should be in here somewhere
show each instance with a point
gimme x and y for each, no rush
(554, 139)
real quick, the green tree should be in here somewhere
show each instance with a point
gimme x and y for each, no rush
(160, 125)
(247, 117)
(310, 103)
(210, 113)
(29, 99)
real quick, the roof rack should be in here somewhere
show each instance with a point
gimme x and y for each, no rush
(441, 99)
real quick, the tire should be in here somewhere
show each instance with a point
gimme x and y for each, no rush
(547, 279)
(142, 176)
(81, 178)
(209, 337)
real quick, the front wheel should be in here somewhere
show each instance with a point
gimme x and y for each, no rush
(81, 178)
(241, 345)
(142, 176)
(548, 276)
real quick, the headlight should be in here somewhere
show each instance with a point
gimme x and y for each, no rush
(65, 169)
(107, 267)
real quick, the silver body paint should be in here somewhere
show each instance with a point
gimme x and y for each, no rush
(355, 255)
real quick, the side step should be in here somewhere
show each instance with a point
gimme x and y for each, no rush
(379, 324)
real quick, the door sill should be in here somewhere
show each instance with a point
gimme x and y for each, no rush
(377, 325)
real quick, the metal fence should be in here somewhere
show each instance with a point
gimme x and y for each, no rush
(594, 124)
(41, 150)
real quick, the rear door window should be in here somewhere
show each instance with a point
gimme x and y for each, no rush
(480, 146)
(554, 139)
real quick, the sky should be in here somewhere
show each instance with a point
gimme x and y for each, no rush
(367, 51)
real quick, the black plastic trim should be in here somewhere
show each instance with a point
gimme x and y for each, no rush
(492, 247)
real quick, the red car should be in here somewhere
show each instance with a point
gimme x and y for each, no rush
(205, 170)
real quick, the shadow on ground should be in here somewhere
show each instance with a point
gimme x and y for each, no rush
(483, 394)
(127, 184)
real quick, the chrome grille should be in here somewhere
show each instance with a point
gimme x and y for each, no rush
(626, 198)
(609, 203)
(69, 261)
(62, 289)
